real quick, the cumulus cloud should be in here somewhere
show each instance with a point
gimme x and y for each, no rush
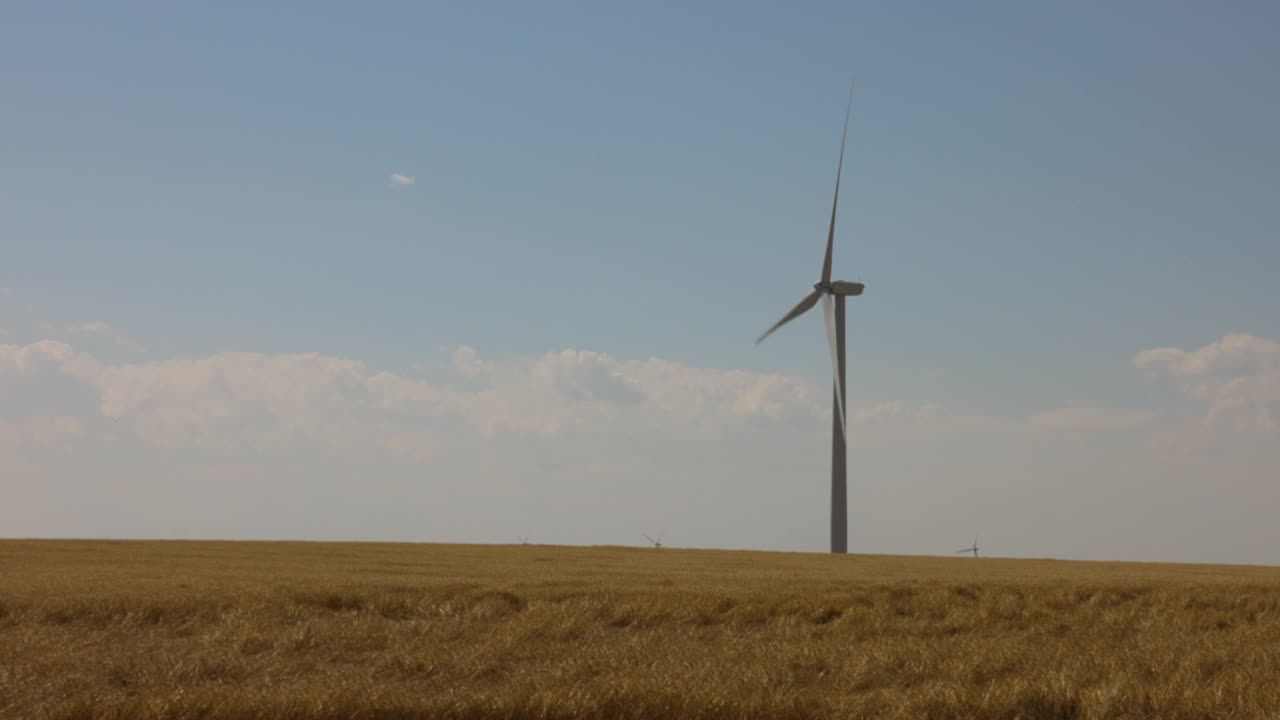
(1086, 417)
(97, 327)
(1236, 379)
(24, 319)
(47, 378)
(46, 404)
(579, 428)
(1235, 353)
(233, 402)
(466, 362)
(593, 377)
(583, 447)
(397, 180)
(588, 441)
(896, 410)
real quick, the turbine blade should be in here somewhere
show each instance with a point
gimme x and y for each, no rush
(828, 310)
(796, 312)
(646, 537)
(831, 232)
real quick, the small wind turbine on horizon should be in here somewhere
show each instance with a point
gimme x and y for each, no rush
(524, 539)
(973, 549)
(825, 290)
(656, 543)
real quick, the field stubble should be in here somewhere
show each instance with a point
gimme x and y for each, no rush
(239, 631)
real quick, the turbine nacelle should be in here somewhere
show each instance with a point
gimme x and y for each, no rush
(839, 287)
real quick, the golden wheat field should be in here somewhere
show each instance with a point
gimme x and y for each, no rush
(230, 630)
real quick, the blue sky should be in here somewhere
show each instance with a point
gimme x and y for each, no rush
(1034, 193)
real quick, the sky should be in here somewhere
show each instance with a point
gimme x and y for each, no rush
(444, 272)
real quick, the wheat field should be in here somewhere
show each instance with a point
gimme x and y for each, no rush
(237, 630)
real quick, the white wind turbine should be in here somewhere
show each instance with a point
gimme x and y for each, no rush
(825, 290)
(656, 543)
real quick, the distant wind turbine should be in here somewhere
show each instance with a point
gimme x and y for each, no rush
(973, 549)
(826, 289)
(524, 539)
(656, 543)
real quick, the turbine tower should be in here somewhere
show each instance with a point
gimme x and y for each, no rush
(973, 549)
(825, 290)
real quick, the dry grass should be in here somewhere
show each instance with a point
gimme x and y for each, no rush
(301, 630)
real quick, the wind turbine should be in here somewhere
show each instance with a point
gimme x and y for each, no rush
(656, 543)
(973, 549)
(524, 539)
(825, 290)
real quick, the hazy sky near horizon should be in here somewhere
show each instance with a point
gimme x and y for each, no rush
(458, 272)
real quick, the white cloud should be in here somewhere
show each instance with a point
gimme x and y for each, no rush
(1236, 379)
(1234, 354)
(97, 327)
(397, 180)
(228, 402)
(568, 429)
(580, 388)
(582, 447)
(464, 359)
(44, 401)
(27, 323)
(897, 410)
(1086, 417)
